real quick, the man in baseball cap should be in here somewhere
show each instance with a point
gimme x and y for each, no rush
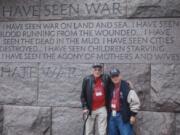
(94, 99)
(123, 105)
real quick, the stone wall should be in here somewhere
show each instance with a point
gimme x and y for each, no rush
(42, 97)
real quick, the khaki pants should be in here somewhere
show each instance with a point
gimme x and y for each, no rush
(99, 116)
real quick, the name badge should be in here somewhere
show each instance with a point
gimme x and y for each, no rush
(98, 94)
(113, 113)
(113, 106)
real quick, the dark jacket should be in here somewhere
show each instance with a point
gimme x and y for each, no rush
(87, 90)
(125, 109)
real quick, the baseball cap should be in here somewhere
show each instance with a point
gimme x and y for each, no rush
(97, 65)
(114, 72)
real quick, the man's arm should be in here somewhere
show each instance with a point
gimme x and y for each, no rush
(134, 103)
(83, 96)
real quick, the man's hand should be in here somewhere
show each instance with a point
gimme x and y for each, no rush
(85, 111)
(85, 114)
(132, 120)
(130, 84)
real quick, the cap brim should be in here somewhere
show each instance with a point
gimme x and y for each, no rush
(97, 66)
(114, 75)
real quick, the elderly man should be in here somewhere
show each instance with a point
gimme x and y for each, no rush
(94, 100)
(123, 105)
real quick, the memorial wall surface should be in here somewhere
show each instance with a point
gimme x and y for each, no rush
(48, 46)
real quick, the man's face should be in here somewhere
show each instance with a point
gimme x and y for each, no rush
(97, 72)
(116, 79)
